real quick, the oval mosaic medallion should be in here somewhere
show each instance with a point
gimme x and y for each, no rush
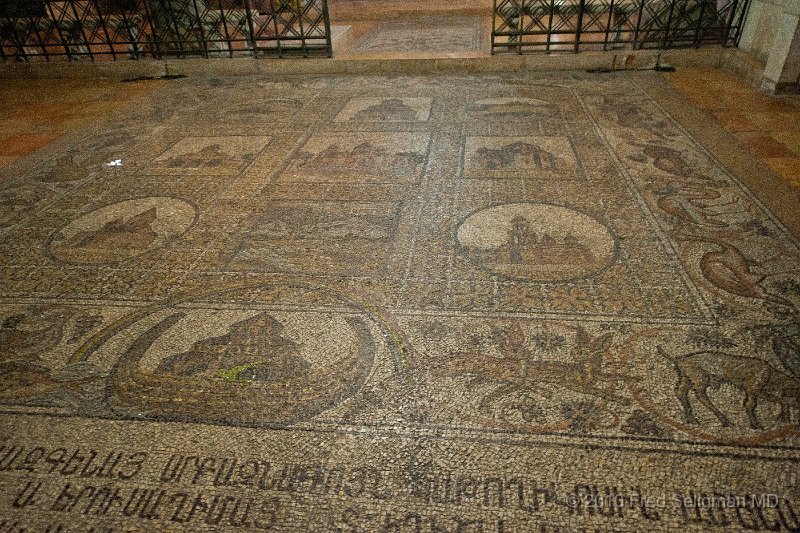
(536, 242)
(268, 354)
(121, 231)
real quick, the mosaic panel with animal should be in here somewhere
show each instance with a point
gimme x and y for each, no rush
(532, 157)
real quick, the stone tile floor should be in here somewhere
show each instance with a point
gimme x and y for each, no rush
(767, 126)
(377, 303)
(36, 112)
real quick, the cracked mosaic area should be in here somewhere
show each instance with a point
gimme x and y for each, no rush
(351, 304)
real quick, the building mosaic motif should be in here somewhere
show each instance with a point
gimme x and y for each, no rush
(525, 113)
(536, 241)
(510, 108)
(385, 157)
(243, 365)
(317, 237)
(531, 157)
(259, 111)
(214, 156)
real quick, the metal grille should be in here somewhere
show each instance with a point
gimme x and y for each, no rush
(521, 26)
(47, 30)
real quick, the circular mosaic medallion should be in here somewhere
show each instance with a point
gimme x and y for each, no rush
(274, 353)
(537, 242)
(121, 231)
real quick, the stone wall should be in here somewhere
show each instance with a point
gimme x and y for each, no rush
(772, 35)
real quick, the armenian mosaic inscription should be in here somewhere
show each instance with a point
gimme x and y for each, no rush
(397, 313)
(145, 489)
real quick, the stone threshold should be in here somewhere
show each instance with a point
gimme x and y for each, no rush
(733, 60)
(729, 59)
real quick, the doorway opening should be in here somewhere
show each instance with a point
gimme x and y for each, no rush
(410, 29)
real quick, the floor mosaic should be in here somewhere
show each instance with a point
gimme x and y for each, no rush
(423, 34)
(351, 304)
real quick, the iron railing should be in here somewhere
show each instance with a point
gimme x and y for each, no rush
(46, 30)
(521, 26)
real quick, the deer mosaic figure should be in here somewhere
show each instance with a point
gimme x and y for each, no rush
(698, 372)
